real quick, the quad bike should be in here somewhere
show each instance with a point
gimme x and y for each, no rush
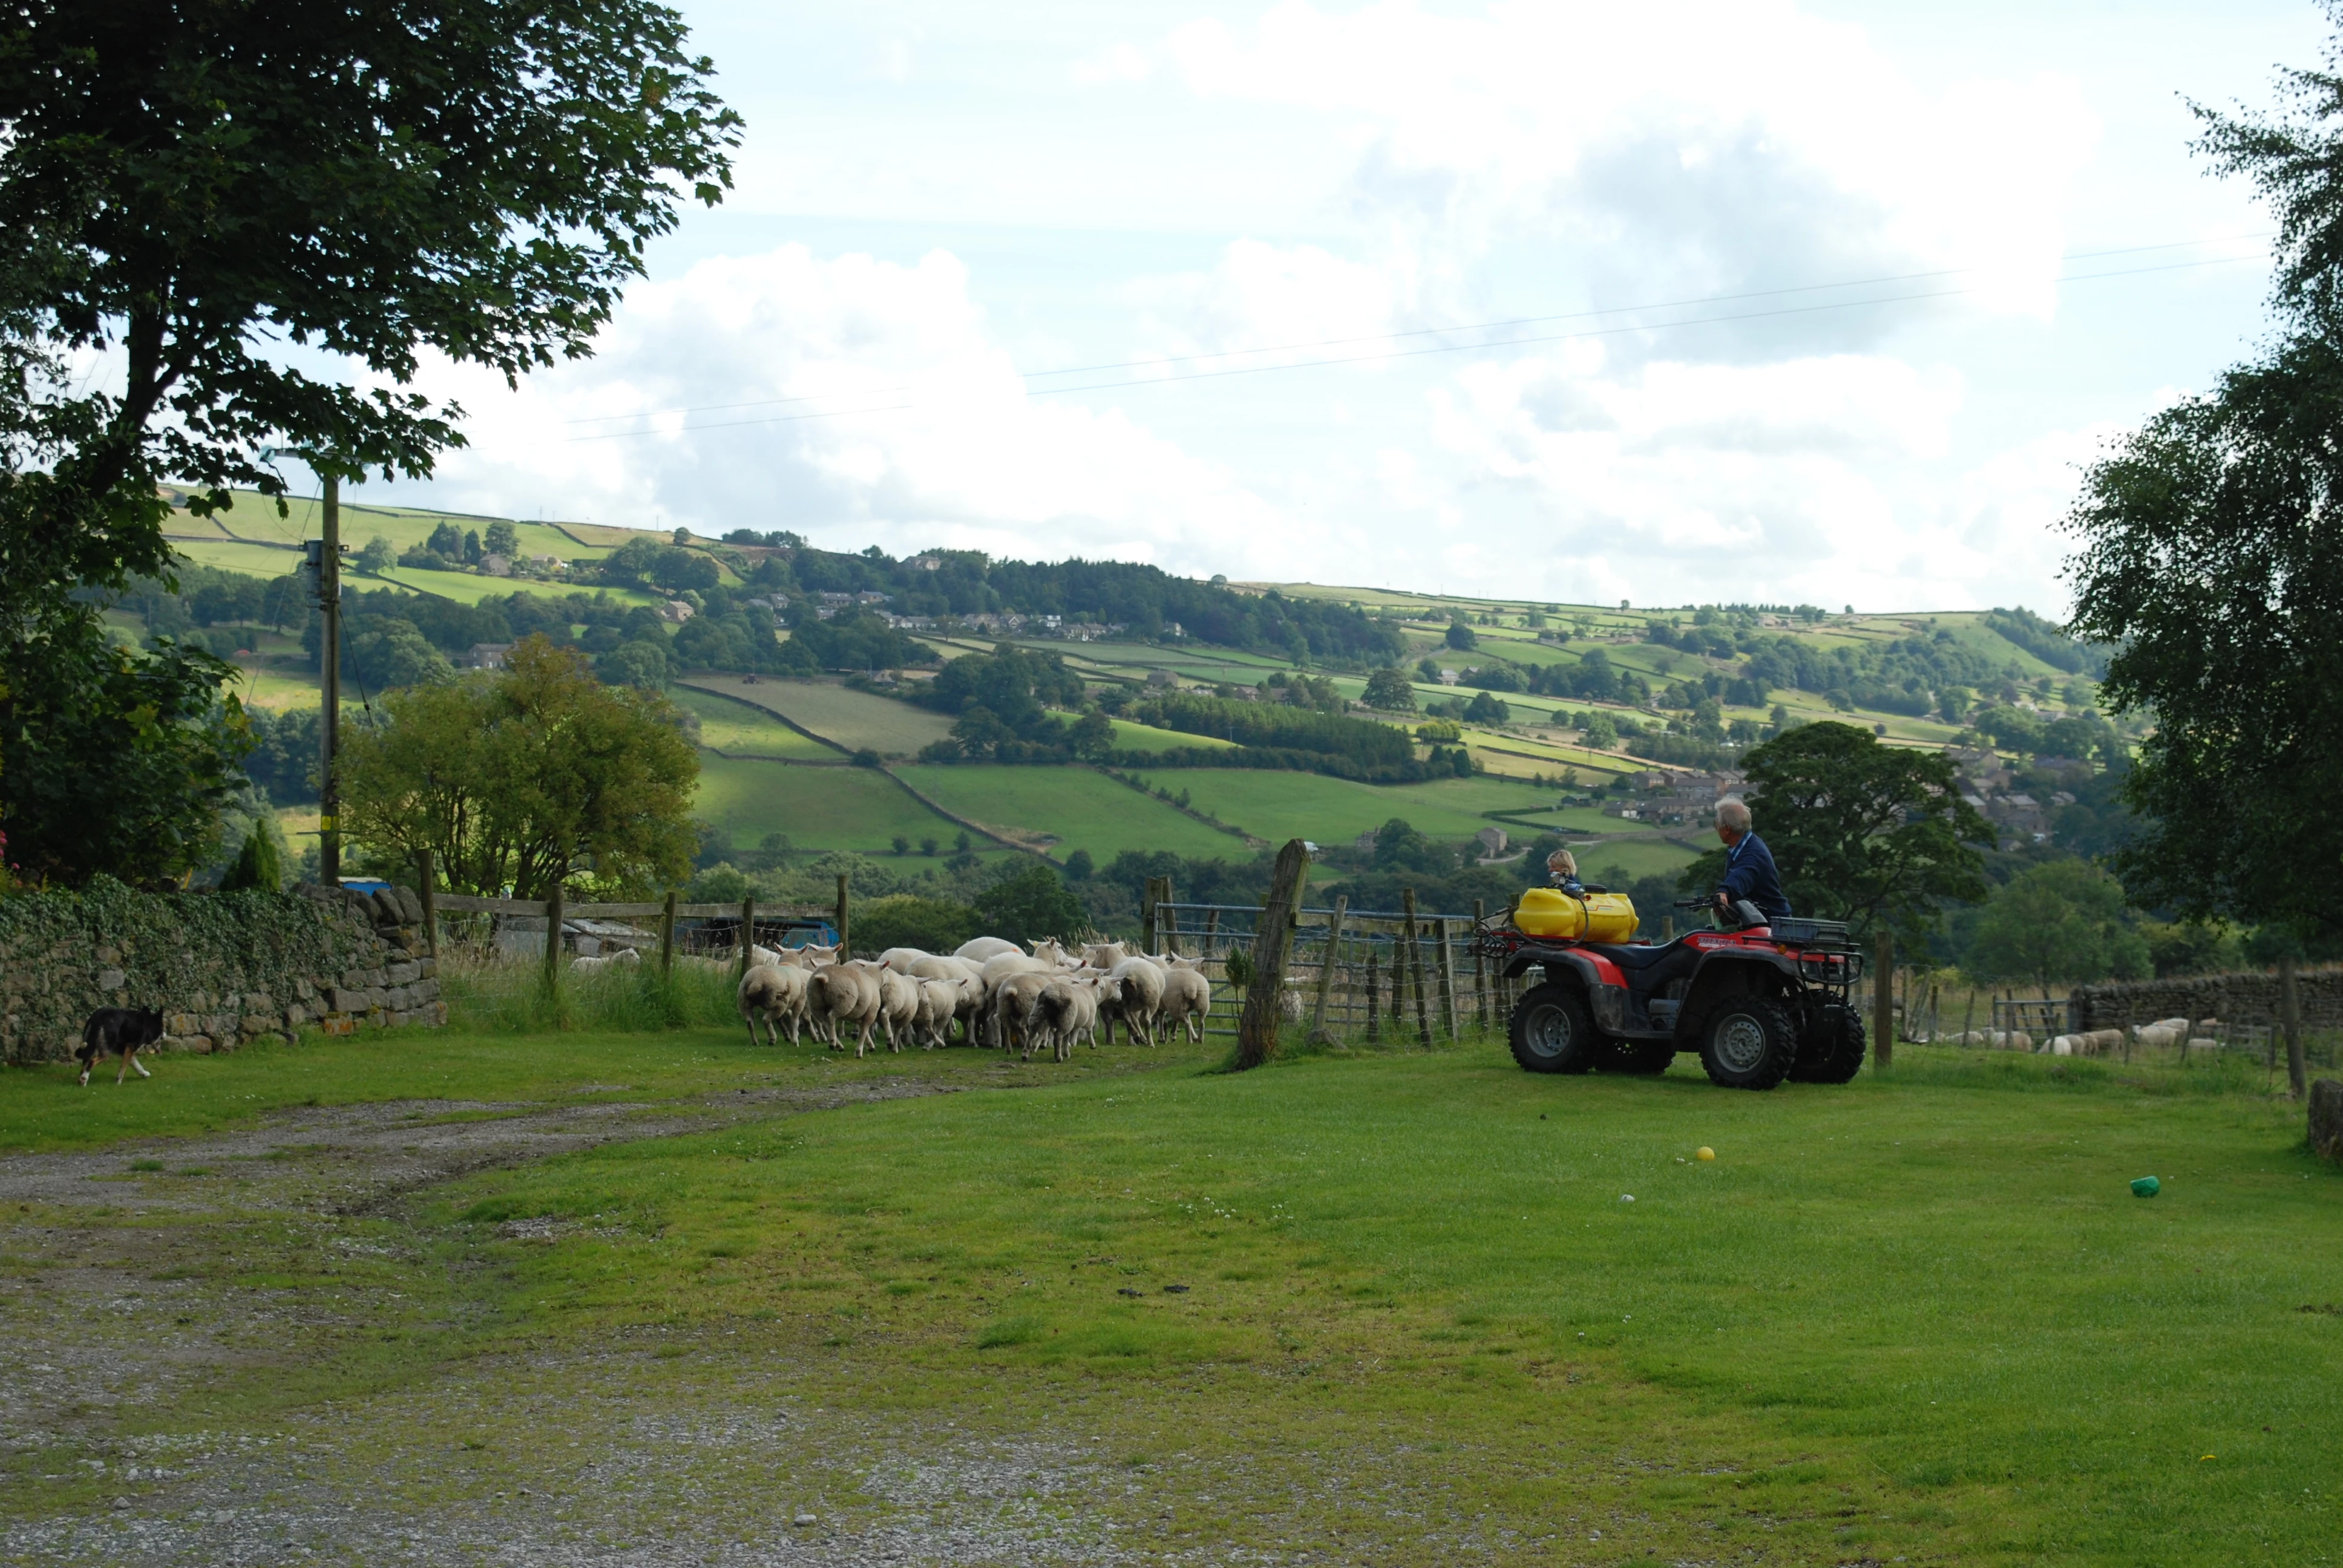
(1760, 1002)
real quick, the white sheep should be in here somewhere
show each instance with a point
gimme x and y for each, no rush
(977, 950)
(623, 958)
(1187, 999)
(775, 996)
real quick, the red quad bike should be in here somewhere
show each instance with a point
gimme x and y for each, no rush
(1760, 1002)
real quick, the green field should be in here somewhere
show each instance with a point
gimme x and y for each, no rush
(1130, 737)
(854, 719)
(1654, 856)
(743, 730)
(1368, 1307)
(1281, 806)
(1080, 809)
(858, 808)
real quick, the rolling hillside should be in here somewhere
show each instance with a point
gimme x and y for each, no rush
(1563, 698)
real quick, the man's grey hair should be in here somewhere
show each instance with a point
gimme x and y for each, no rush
(1733, 812)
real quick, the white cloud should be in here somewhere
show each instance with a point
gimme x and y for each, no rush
(862, 401)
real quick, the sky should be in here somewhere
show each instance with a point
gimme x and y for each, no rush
(1823, 303)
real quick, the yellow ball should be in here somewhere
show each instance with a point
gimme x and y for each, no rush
(1704, 1153)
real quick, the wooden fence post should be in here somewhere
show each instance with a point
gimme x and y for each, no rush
(1326, 966)
(1447, 980)
(428, 891)
(667, 937)
(1883, 1003)
(1147, 917)
(2290, 1012)
(553, 939)
(844, 951)
(1273, 936)
(1374, 1020)
(748, 933)
(1415, 969)
(1479, 967)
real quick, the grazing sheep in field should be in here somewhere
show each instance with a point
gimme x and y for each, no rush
(1052, 951)
(1063, 1010)
(1187, 1000)
(2156, 1036)
(940, 1003)
(1104, 955)
(624, 956)
(846, 996)
(901, 960)
(776, 995)
(1139, 997)
(1011, 1004)
(977, 950)
(1000, 968)
(899, 1005)
(969, 983)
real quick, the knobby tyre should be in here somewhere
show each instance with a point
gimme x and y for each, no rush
(1748, 1042)
(1553, 1031)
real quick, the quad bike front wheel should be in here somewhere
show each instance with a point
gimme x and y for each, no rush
(1553, 1032)
(1748, 1042)
(1834, 1049)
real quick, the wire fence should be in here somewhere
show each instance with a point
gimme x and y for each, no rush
(1384, 976)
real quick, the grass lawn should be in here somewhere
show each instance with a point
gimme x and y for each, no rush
(1130, 737)
(744, 730)
(1919, 1317)
(1082, 809)
(858, 808)
(855, 720)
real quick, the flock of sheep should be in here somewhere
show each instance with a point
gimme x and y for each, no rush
(1000, 996)
(2163, 1034)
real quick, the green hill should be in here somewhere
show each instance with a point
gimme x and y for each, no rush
(1544, 698)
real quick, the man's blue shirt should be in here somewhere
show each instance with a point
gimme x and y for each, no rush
(1749, 874)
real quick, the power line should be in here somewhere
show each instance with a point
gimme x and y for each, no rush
(1134, 382)
(1414, 332)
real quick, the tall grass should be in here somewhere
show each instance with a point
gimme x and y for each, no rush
(507, 996)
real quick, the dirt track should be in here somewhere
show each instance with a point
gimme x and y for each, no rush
(117, 1326)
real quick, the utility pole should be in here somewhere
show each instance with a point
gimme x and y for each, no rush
(329, 606)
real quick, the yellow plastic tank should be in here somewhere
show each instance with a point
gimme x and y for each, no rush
(1593, 918)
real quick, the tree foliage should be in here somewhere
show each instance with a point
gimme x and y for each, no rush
(535, 776)
(113, 762)
(2062, 920)
(1861, 832)
(188, 187)
(2212, 556)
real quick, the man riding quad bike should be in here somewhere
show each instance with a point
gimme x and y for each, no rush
(1761, 996)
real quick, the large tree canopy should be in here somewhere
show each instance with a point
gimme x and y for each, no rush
(536, 776)
(2212, 559)
(1862, 832)
(189, 189)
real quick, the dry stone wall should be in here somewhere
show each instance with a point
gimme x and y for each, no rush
(222, 968)
(2249, 998)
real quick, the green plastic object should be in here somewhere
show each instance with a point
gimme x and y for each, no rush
(2147, 1187)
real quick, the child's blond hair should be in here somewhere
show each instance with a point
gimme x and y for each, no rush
(1563, 864)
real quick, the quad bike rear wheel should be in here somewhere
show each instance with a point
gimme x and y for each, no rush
(1834, 1049)
(1553, 1032)
(1748, 1042)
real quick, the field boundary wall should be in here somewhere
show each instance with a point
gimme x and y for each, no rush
(224, 969)
(2249, 998)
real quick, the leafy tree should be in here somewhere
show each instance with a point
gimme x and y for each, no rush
(259, 864)
(1092, 736)
(502, 540)
(377, 557)
(2063, 920)
(114, 762)
(1460, 637)
(1600, 732)
(1486, 710)
(1861, 832)
(909, 920)
(642, 664)
(536, 775)
(1387, 688)
(387, 652)
(1030, 905)
(286, 749)
(185, 189)
(2211, 561)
